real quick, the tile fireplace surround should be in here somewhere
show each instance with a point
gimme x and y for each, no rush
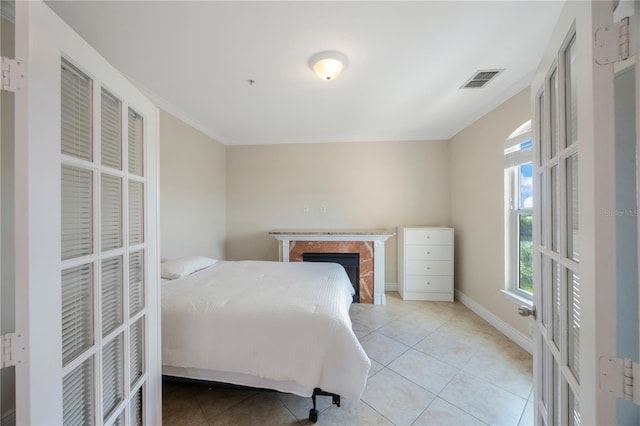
(369, 243)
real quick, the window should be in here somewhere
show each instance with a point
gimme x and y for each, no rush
(518, 155)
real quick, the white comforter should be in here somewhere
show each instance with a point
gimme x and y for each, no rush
(286, 323)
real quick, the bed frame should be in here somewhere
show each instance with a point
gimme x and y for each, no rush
(313, 412)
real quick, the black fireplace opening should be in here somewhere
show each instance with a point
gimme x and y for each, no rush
(349, 261)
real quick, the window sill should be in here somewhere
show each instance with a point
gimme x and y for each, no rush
(517, 298)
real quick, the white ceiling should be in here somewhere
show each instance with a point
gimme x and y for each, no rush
(407, 61)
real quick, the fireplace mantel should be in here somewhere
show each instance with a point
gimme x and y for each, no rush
(376, 236)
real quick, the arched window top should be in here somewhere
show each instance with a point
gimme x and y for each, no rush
(521, 130)
(517, 147)
(522, 134)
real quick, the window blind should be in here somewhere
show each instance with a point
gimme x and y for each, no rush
(112, 305)
(119, 421)
(573, 323)
(112, 375)
(136, 409)
(93, 210)
(518, 158)
(77, 395)
(573, 211)
(136, 348)
(76, 125)
(77, 311)
(110, 130)
(77, 212)
(111, 220)
(571, 96)
(136, 212)
(135, 143)
(136, 282)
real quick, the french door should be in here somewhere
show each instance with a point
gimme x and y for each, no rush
(7, 303)
(574, 239)
(86, 234)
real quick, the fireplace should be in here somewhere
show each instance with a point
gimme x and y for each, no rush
(350, 262)
(367, 243)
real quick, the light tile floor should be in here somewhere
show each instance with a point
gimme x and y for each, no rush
(432, 363)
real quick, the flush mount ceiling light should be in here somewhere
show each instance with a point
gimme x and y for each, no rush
(328, 65)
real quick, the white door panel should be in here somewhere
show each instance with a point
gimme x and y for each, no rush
(574, 242)
(118, 273)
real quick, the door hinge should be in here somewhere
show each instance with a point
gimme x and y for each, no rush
(12, 74)
(612, 43)
(12, 350)
(620, 378)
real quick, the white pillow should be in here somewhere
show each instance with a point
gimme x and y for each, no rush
(179, 268)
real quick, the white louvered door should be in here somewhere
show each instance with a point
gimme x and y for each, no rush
(91, 260)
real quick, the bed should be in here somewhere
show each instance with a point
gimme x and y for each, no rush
(274, 325)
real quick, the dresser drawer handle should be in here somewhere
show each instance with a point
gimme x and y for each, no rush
(428, 252)
(428, 268)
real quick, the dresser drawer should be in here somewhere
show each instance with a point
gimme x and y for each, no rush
(426, 283)
(428, 236)
(416, 252)
(429, 267)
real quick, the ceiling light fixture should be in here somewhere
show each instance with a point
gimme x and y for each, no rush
(328, 65)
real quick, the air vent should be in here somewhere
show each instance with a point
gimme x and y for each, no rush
(480, 79)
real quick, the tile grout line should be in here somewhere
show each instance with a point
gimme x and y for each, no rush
(445, 386)
(491, 382)
(286, 407)
(436, 395)
(377, 412)
(451, 403)
(524, 409)
(460, 370)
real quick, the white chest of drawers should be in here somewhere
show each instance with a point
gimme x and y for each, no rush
(425, 263)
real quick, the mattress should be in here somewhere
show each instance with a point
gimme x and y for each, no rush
(277, 325)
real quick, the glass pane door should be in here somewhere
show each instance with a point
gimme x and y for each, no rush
(86, 262)
(7, 205)
(558, 269)
(103, 266)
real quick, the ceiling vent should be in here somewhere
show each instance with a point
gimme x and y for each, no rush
(480, 79)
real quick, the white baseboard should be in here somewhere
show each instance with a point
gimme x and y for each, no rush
(520, 339)
(391, 287)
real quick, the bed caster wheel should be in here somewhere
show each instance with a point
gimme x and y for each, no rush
(313, 415)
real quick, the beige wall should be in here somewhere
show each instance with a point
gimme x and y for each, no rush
(477, 200)
(222, 201)
(362, 185)
(192, 191)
